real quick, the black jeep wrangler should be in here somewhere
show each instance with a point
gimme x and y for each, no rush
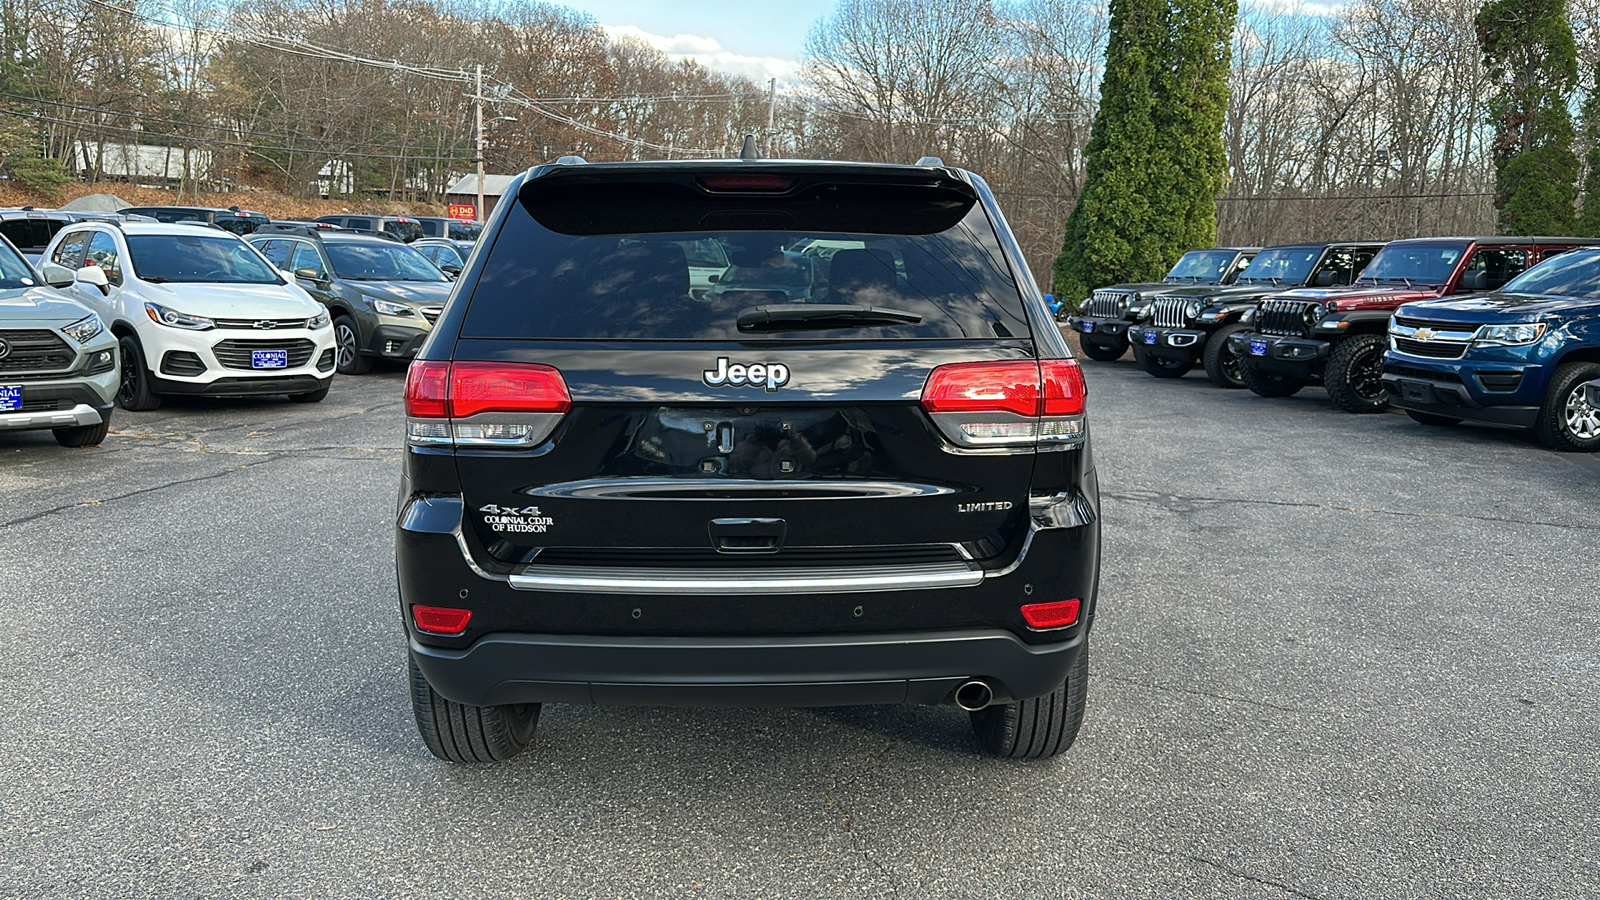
(875, 490)
(1102, 318)
(1184, 326)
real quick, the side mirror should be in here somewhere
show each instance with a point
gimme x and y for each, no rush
(714, 279)
(308, 273)
(1328, 278)
(451, 269)
(56, 275)
(93, 275)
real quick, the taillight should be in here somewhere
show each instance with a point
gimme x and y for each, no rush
(1008, 405)
(483, 403)
(440, 619)
(1058, 614)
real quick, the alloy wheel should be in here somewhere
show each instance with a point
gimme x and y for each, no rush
(345, 337)
(1583, 420)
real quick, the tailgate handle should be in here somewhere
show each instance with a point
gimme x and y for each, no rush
(747, 535)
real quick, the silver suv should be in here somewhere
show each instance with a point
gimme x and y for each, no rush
(58, 363)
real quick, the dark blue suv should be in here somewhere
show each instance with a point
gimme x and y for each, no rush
(1520, 356)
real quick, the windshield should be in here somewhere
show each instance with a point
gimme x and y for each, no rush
(465, 231)
(14, 271)
(197, 258)
(1414, 263)
(1202, 265)
(1282, 265)
(380, 261)
(540, 283)
(1568, 275)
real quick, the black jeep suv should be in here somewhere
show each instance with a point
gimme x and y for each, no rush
(615, 492)
(1103, 318)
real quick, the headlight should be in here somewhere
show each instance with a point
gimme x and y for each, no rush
(1509, 335)
(385, 307)
(85, 328)
(1192, 309)
(317, 321)
(1125, 301)
(174, 319)
(1314, 313)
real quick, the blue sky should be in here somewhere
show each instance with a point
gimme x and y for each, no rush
(758, 38)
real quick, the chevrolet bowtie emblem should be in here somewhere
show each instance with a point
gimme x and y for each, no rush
(1424, 334)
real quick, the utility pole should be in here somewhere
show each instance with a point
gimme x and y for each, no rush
(772, 107)
(478, 106)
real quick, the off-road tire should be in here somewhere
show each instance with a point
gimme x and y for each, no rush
(1223, 365)
(133, 393)
(458, 733)
(1437, 421)
(316, 396)
(1038, 728)
(1160, 368)
(1354, 374)
(1266, 384)
(83, 435)
(1564, 408)
(347, 355)
(1102, 354)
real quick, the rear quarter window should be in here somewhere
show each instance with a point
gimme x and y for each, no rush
(652, 283)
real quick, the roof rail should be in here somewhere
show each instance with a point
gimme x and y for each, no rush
(571, 161)
(930, 161)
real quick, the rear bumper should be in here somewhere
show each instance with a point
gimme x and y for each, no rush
(836, 670)
(1280, 355)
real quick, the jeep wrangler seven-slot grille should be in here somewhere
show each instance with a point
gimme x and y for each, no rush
(1292, 318)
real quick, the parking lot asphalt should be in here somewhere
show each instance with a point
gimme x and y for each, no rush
(1336, 656)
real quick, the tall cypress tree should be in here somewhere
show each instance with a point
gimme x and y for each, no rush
(1589, 217)
(1530, 55)
(1123, 161)
(1155, 160)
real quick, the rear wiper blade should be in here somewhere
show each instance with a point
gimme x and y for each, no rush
(778, 316)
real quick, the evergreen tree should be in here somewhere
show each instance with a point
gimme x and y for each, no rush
(1155, 161)
(1530, 55)
(1589, 218)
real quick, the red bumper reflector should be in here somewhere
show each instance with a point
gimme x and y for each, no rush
(1059, 614)
(441, 620)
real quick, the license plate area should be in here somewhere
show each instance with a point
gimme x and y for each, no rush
(1150, 337)
(269, 359)
(1258, 348)
(10, 397)
(1088, 327)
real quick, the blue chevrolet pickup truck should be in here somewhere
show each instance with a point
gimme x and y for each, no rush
(1520, 356)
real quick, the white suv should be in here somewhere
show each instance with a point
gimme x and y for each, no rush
(196, 311)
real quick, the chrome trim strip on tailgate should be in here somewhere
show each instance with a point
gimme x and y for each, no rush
(568, 579)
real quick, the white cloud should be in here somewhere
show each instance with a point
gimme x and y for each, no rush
(708, 52)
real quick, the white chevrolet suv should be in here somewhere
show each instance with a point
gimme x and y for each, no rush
(196, 311)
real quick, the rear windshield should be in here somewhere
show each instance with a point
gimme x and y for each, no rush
(1414, 263)
(465, 231)
(240, 225)
(380, 261)
(406, 230)
(1202, 265)
(1568, 275)
(693, 284)
(31, 235)
(199, 257)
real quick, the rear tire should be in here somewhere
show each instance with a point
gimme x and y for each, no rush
(458, 733)
(134, 392)
(1039, 728)
(1566, 420)
(1103, 354)
(348, 358)
(1437, 421)
(1268, 385)
(83, 435)
(1354, 376)
(1159, 367)
(1223, 365)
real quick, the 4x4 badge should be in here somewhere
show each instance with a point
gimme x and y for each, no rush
(769, 375)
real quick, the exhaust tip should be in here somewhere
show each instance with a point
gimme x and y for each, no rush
(974, 695)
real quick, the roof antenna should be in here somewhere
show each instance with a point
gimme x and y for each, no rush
(749, 151)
